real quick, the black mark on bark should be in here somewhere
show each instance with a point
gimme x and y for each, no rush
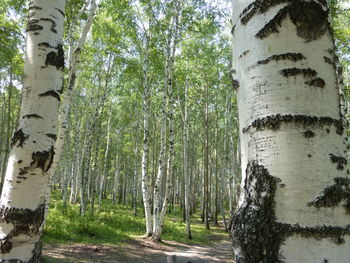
(287, 56)
(256, 235)
(317, 82)
(306, 72)
(23, 171)
(258, 7)
(273, 25)
(328, 60)
(55, 58)
(52, 136)
(19, 137)
(60, 11)
(34, 7)
(25, 221)
(244, 53)
(53, 24)
(45, 44)
(335, 194)
(309, 134)
(33, 25)
(37, 252)
(42, 159)
(233, 30)
(309, 18)
(274, 122)
(72, 82)
(253, 230)
(235, 84)
(339, 160)
(5, 246)
(35, 116)
(51, 93)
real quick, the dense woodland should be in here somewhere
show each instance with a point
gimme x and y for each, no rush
(148, 116)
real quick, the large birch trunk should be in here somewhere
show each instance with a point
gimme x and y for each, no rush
(23, 198)
(295, 199)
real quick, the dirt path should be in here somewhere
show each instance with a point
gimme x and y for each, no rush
(141, 251)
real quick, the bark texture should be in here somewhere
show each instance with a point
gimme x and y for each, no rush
(23, 199)
(294, 193)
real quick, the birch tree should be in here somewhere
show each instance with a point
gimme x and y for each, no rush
(294, 205)
(172, 39)
(23, 198)
(74, 56)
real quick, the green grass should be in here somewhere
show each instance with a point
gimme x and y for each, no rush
(113, 225)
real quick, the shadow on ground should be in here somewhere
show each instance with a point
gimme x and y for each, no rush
(139, 251)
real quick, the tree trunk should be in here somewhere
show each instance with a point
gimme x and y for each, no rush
(294, 205)
(170, 59)
(103, 176)
(68, 92)
(8, 133)
(157, 203)
(206, 165)
(23, 197)
(145, 151)
(185, 165)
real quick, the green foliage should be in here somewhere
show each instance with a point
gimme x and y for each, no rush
(113, 225)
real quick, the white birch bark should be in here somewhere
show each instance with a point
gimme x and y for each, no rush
(134, 181)
(145, 151)
(67, 95)
(185, 165)
(157, 231)
(157, 203)
(68, 92)
(103, 177)
(115, 182)
(23, 198)
(295, 200)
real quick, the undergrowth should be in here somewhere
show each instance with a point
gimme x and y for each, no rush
(114, 224)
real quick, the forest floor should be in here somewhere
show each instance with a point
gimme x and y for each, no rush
(113, 234)
(140, 250)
